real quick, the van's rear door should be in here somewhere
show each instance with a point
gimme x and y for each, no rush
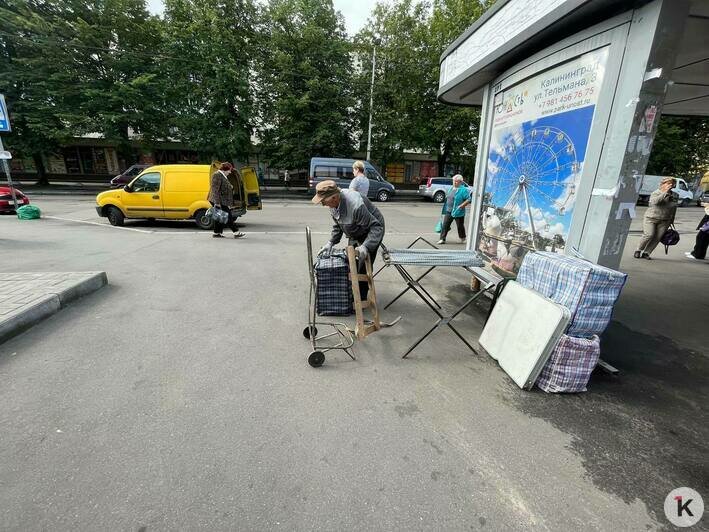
(251, 188)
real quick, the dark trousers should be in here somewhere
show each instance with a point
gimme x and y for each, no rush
(231, 223)
(448, 221)
(700, 245)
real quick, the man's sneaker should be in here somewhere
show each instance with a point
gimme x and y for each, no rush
(689, 255)
(239, 235)
(637, 254)
(217, 235)
(646, 256)
(462, 240)
(441, 242)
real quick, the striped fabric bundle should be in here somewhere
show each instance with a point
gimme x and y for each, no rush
(570, 365)
(588, 290)
(334, 288)
(434, 257)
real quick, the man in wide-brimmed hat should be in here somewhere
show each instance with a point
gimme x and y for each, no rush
(357, 218)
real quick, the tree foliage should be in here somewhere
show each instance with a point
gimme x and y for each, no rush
(217, 74)
(305, 84)
(410, 37)
(681, 147)
(209, 51)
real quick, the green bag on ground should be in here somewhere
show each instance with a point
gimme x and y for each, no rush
(28, 212)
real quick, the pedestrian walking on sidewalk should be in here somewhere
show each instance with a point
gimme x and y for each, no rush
(702, 242)
(457, 199)
(286, 180)
(359, 182)
(659, 215)
(221, 196)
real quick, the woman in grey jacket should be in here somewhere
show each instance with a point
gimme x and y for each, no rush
(658, 217)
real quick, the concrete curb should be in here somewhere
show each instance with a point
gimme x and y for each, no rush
(50, 304)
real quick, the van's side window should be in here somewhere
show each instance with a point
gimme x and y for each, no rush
(371, 174)
(147, 183)
(346, 172)
(326, 171)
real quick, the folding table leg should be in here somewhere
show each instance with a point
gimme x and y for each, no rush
(411, 281)
(445, 320)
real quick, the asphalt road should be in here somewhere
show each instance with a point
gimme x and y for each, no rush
(179, 397)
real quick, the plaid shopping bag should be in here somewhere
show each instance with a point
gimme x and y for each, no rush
(570, 365)
(333, 296)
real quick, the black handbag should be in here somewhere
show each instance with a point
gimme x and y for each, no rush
(670, 238)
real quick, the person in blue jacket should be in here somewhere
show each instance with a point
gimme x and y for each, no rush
(458, 198)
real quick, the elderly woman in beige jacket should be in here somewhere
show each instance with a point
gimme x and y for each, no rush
(658, 217)
(221, 195)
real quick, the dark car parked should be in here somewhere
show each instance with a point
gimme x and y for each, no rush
(340, 171)
(128, 176)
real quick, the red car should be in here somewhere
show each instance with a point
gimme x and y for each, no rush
(6, 205)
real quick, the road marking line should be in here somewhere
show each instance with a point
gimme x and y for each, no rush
(206, 233)
(96, 223)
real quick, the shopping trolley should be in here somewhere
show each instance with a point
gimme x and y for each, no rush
(341, 337)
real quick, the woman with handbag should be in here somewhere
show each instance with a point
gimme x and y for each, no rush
(702, 242)
(457, 199)
(221, 196)
(658, 218)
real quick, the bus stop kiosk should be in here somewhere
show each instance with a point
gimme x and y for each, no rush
(571, 94)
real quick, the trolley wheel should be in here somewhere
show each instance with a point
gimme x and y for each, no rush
(306, 332)
(316, 359)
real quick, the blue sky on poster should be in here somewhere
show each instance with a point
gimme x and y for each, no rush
(354, 12)
(549, 152)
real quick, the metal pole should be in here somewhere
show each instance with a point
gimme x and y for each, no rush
(371, 104)
(9, 177)
(529, 213)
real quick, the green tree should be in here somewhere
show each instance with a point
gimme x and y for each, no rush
(36, 78)
(208, 64)
(410, 37)
(73, 67)
(305, 83)
(681, 147)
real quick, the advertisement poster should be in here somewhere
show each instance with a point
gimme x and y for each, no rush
(540, 132)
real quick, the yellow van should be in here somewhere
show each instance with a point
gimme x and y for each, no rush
(176, 192)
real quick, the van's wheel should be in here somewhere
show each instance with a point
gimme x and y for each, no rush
(684, 202)
(439, 197)
(316, 359)
(114, 215)
(383, 195)
(202, 220)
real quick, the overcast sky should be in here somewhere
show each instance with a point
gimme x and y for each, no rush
(354, 11)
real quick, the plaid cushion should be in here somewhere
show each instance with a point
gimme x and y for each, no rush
(570, 365)
(333, 296)
(588, 290)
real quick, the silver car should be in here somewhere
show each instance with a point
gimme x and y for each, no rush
(435, 188)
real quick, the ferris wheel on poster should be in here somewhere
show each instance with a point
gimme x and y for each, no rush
(536, 170)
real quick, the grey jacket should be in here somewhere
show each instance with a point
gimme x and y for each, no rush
(220, 190)
(662, 206)
(358, 219)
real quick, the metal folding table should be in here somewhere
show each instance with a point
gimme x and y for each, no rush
(471, 261)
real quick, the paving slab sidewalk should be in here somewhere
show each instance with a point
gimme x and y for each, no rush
(27, 298)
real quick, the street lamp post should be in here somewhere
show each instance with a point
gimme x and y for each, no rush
(371, 104)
